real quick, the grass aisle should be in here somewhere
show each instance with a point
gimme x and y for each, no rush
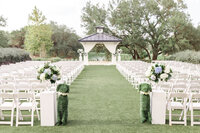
(102, 101)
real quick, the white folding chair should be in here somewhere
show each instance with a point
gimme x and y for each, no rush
(7, 106)
(194, 105)
(22, 87)
(177, 105)
(37, 88)
(8, 88)
(30, 105)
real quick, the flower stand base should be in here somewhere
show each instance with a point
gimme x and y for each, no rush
(48, 108)
(158, 107)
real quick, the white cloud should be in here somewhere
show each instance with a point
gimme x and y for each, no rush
(66, 12)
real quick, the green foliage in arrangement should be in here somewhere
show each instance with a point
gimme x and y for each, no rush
(48, 72)
(38, 34)
(12, 55)
(186, 56)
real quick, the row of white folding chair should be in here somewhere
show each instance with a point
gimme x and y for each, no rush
(70, 76)
(177, 86)
(182, 67)
(35, 88)
(189, 101)
(16, 102)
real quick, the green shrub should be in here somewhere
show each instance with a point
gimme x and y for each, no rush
(186, 56)
(56, 59)
(53, 59)
(12, 55)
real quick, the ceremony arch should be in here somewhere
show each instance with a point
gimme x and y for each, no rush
(110, 42)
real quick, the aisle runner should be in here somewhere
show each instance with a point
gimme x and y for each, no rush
(101, 96)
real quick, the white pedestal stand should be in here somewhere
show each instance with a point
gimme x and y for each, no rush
(158, 107)
(48, 108)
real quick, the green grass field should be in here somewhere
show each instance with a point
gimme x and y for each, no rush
(102, 101)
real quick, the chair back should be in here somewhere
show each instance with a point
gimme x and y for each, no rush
(24, 95)
(6, 95)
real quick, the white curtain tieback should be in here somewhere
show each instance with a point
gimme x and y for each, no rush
(62, 94)
(145, 93)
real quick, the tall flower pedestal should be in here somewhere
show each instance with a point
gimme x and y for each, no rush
(158, 107)
(48, 106)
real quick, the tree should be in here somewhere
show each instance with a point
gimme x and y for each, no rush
(17, 38)
(145, 26)
(93, 15)
(65, 41)
(38, 34)
(4, 37)
(2, 21)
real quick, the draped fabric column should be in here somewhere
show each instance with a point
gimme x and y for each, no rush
(87, 48)
(111, 46)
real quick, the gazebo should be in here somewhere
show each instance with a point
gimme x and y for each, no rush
(110, 42)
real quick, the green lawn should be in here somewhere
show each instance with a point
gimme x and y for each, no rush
(102, 101)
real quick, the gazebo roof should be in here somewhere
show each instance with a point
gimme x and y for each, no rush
(100, 37)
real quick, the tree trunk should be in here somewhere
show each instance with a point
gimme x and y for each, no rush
(133, 55)
(42, 51)
(155, 55)
(136, 55)
(131, 52)
(148, 53)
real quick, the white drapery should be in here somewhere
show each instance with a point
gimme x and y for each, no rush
(111, 46)
(88, 46)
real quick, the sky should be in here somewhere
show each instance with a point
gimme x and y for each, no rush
(67, 12)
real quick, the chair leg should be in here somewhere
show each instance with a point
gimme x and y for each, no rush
(17, 117)
(12, 115)
(38, 113)
(20, 115)
(192, 117)
(185, 117)
(1, 115)
(170, 117)
(32, 116)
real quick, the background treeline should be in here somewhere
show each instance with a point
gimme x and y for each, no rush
(186, 56)
(65, 41)
(42, 39)
(148, 28)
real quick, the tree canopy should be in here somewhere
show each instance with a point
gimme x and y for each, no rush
(65, 41)
(147, 27)
(2, 21)
(38, 34)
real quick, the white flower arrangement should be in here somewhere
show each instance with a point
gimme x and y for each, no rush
(158, 73)
(80, 50)
(48, 72)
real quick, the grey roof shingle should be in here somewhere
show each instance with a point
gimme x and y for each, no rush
(100, 37)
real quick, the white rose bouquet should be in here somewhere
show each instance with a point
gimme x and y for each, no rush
(48, 72)
(158, 72)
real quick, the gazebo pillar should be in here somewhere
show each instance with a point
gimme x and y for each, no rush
(80, 51)
(80, 56)
(119, 51)
(86, 58)
(113, 58)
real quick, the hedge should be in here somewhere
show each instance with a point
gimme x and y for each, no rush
(53, 59)
(186, 56)
(12, 55)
